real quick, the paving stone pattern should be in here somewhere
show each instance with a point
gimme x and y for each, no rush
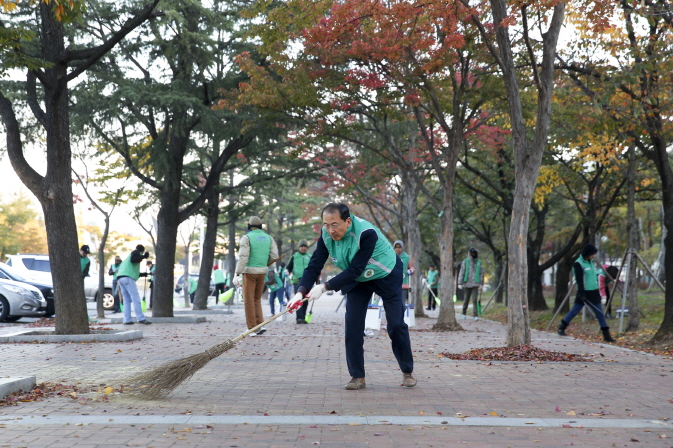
(298, 371)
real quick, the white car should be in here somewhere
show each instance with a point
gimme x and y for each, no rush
(19, 300)
(38, 268)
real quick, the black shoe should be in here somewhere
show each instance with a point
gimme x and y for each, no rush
(606, 334)
(144, 322)
(128, 323)
(562, 328)
(301, 321)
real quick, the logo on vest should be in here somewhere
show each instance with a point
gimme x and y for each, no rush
(369, 273)
(334, 259)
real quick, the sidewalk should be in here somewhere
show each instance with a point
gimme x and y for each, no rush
(285, 389)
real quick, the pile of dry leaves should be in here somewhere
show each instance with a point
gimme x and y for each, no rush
(516, 353)
(41, 392)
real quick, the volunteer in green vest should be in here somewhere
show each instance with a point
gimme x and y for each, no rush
(586, 278)
(114, 268)
(407, 269)
(84, 262)
(220, 282)
(257, 251)
(128, 274)
(471, 280)
(369, 265)
(433, 283)
(274, 281)
(298, 263)
(193, 284)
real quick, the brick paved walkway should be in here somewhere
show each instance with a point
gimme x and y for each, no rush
(282, 389)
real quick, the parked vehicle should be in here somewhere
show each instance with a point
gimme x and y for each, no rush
(37, 267)
(181, 281)
(19, 300)
(47, 290)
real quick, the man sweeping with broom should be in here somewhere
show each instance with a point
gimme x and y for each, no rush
(369, 265)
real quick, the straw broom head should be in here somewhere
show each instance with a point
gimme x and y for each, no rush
(161, 381)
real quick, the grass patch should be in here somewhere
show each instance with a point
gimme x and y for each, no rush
(651, 304)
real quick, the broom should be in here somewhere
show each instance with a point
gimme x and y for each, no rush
(309, 316)
(161, 381)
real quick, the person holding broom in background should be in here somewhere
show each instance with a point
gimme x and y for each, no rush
(257, 251)
(471, 279)
(586, 277)
(296, 267)
(407, 269)
(369, 265)
(128, 274)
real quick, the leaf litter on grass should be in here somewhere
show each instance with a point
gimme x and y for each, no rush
(517, 353)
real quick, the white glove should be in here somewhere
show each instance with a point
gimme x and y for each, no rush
(317, 291)
(236, 281)
(604, 300)
(410, 271)
(460, 286)
(295, 302)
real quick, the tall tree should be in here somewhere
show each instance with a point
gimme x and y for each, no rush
(58, 66)
(527, 152)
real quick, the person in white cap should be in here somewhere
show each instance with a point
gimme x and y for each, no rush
(257, 251)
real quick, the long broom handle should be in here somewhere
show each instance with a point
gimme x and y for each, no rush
(270, 319)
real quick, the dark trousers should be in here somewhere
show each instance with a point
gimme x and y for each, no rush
(273, 295)
(593, 301)
(432, 304)
(390, 290)
(219, 289)
(115, 295)
(301, 312)
(467, 293)
(151, 293)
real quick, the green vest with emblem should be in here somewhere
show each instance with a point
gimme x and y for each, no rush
(299, 264)
(343, 251)
(405, 267)
(590, 274)
(260, 247)
(128, 269)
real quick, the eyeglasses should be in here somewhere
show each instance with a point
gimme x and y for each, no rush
(333, 226)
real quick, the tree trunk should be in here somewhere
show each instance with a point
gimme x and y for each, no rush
(499, 272)
(527, 159)
(100, 308)
(563, 276)
(446, 321)
(413, 243)
(167, 234)
(208, 253)
(633, 241)
(661, 274)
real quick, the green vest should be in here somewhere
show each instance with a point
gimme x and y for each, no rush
(128, 269)
(477, 271)
(405, 267)
(299, 264)
(276, 286)
(431, 277)
(260, 247)
(83, 263)
(192, 285)
(218, 276)
(115, 270)
(343, 251)
(590, 275)
(154, 266)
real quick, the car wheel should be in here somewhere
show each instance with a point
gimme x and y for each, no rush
(108, 300)
(4, 309)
